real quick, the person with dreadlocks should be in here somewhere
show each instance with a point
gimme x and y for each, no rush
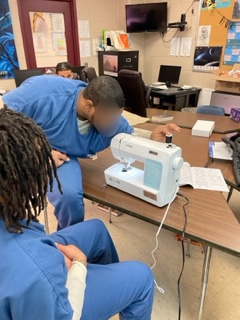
(79, 121)
(71, 274)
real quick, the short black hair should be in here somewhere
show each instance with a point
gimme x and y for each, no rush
(105, 90)
(61, 66)
(26, 169)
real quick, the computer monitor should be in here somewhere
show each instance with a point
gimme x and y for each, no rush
(22, 75)
(78, 70)
(169, 74)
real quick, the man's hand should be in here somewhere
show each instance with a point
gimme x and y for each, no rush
(72, 253)
(59, 158)
(159, 133)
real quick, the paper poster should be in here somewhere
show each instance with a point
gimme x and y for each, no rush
(8, 52)
(85, 50)
(58, 24)
(186, 45)
(83, 29)
(236, 9)
(96, 45)
(175, 47)
(232, 55)
(40, 42)
(59, 43)
(217, 4)
(203, 36)
(233, 37)
(207, 58)
(110, 65)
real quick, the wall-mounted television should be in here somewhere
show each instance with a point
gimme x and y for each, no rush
(146, 17)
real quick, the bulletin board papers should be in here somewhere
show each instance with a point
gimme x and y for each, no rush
(219, 4)
(59, 43)
(233, 37)
(175, 47)
(186, 45)
(40, 42)
(236, 10)
(207, 59)
(58, 22)
(83, 29)
(232, 55)
(203, 36)
(85, 50)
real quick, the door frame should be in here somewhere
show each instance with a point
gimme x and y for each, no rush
(74, 57)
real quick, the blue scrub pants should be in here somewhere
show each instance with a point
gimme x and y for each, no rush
(111, 287)
(69, 207)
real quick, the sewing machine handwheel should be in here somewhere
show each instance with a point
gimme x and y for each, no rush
(177, 163)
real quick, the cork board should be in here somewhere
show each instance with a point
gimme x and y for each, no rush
(218, 35)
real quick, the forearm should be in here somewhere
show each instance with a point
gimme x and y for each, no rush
(142, 133)
(76, 284)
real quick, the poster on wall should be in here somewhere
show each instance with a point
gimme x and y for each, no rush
(236, 9)
(207, 59)
(232, 55)
(233, 36)
(217, 3)
(203, 36)
(8, 53)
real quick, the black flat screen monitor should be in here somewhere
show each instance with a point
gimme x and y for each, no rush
(148, 17)
(169, 74)
(21, 75)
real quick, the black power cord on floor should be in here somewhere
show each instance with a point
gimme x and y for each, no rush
(183, 256)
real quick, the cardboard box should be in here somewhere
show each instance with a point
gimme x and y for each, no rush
(225, 83)
(203, 128)
(235, 114)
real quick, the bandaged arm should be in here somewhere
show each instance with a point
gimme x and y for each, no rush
(76, 284)
(142, 133)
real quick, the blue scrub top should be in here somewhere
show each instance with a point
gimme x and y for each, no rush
(51, 102)
(32, 286)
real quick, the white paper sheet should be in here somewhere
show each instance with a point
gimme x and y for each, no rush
(186, 45)
(59, 43)
(58, 24)
(85, 51)
(175, 46)
(203, 36)
(219, 150)
(185, 175)
(40, 42)
(83, 29)
(202, 178)
(96, 44)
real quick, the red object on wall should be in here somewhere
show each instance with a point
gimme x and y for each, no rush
(68, 8)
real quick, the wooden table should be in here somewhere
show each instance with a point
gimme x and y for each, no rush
(187, 120)
(210, 220)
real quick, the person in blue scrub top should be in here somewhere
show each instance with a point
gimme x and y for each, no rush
(79, 121)
(72, 274)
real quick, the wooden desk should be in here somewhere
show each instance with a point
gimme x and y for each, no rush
(178, 98)
(210, 220)
(187, 120)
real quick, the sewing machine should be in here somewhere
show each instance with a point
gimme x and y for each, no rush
(159, 180)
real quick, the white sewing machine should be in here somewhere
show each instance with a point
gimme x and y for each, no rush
(162, 163)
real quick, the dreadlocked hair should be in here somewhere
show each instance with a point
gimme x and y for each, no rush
(26, 169)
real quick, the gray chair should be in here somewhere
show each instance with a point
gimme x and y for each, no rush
(218, 111)
(88, 74)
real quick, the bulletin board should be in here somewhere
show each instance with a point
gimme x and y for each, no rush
(218, 35)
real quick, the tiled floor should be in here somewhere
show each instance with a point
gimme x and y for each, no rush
(223, 299)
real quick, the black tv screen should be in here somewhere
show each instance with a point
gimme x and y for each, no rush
(148, 17)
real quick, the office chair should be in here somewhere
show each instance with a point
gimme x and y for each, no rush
(21, 75)
(137, 95)
(77, 70)
(88, 74)
(218, 111)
